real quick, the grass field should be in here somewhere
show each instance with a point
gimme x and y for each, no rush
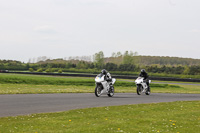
(92, 71)
(173, 117)
(33, 84)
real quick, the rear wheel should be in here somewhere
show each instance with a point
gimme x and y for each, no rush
(148, 91)
(98, 91)
(139, 89)
(111, 92)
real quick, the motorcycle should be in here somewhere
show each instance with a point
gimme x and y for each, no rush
(142, 86)
(104, 87)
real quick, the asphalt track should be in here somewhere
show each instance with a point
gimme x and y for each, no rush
(24, 104)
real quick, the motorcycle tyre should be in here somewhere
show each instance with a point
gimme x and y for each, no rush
(139, 90)
(148, 92)
(97, 89)
(112, 93)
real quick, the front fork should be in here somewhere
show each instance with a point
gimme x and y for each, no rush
(140, 86)
(99, 85)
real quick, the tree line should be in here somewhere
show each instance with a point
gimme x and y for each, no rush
(128, 61)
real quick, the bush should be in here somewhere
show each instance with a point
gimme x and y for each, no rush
(53, 69)
(31, 69)
(40, 70)
(48, 70)
(59, 71)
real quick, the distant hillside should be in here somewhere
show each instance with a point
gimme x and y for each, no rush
(58, 61)
(126, 63)
(139, 60)
(10, 62)
(150, 60)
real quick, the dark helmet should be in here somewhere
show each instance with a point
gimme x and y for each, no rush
(103, 71)
(143, 71)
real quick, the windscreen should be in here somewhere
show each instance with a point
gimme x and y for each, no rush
(100, 75)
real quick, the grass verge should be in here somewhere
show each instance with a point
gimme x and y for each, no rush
(173, 117)
(34, 84)
(42, 89)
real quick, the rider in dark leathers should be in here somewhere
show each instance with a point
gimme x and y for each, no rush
(146, 77)
(107, 75)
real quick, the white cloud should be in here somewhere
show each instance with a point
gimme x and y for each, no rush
(195, 31)
(45, 29)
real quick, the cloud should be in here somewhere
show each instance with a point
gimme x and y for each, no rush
(45, 29)
(195, 31)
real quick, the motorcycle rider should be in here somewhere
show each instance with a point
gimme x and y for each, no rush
(108, 77)
(144, 74)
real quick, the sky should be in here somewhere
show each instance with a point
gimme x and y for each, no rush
(63, 28)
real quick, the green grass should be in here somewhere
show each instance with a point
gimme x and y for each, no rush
(130, 73)
(34, 84)
(72, 70)
(181, 89)
(162, 82)
(36, 89)
(43, 80)
(173, 117)
(39, 89)
(53, 80)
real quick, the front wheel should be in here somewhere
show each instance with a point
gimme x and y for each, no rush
(98, 91)
(139, 89)
(111, 92)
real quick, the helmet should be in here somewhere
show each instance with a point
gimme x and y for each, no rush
(103, 71)
(143, 71)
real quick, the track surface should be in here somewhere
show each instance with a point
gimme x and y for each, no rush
(23, 104)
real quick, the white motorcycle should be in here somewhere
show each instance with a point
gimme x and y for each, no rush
(104, 87)
(142, 86)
